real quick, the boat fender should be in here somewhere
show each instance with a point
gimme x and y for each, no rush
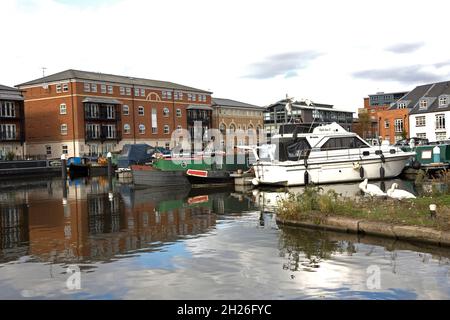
(356, 165)
(306, 178)
(381, 173)
(361, 172)
(382, 158)
(255, 181)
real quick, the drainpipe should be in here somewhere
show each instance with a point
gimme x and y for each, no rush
(73, 118)
(134, 114)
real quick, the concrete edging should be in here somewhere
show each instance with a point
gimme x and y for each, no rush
(349, 225)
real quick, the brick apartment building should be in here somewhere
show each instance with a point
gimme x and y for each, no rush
(87, 113)
(383, 119)
(234, 115)
(12, 128)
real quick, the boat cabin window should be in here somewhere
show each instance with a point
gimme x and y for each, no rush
(294, 149)
(343, 143)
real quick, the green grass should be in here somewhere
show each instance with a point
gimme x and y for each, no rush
(314, 205)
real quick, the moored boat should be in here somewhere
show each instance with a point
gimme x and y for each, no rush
(328, 154)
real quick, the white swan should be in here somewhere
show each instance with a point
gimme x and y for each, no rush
(371, 189)
(395, 193)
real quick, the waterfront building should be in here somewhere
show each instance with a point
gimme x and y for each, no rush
(374, 119)
(12, 127)
(429, 114)
(235, 115)
(87, 113)
(308, 113)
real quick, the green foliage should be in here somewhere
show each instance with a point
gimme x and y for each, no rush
(10, 156)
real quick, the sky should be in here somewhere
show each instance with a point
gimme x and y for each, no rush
(334, 52)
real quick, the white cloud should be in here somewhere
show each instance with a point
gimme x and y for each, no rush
(211, 45)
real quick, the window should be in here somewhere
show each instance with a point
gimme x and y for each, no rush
(92, 131)
(126, 128)
(343, 143)
(58, 88)
(180, 95)
(103, 88)
(398, 125)
(164, 95)
(420, 121)
(179, 113)
(423, 104)
(64, 129)
(175, 95)
(154, 121)
(141, 111)
(440, 121)
(8, 131)
(443, 101)
(194, 97)
(179, 128)
(166, 129)
(110, 90)
(142, 92)
(91, 110)
(65, 149)
(65, 87)
(189, 97)
(94, 87)
(110, 112)
(421, 135)
(137, 92)
(7, 109)
(167, 145)
(169, 95)
(125, 110)
(441, 136)
(141, 129)
(110, 131)
(87, 87)
(166, 112)
(386, 124)
(128, 91)
(122, 91)
(401, 105)
(48, 150)
(62, 108)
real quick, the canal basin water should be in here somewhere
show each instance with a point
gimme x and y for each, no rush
(192, 244)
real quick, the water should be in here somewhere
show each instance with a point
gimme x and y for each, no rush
(193, 244)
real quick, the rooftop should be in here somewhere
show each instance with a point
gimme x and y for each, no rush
(110, 78)
(9, 93)
(233, 104)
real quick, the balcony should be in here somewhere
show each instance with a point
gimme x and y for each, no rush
(103, 135)
(8, 136)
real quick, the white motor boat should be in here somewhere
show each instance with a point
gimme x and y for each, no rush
(329, 154)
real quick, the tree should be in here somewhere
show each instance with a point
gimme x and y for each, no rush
(364, 122)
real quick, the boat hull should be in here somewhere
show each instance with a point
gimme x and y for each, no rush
(293, 174)
(147, 176)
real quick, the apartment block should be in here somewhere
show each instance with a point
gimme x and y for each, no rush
(86, 113)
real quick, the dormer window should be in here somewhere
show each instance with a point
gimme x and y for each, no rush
(401, 105)
(443, 101)
(423, 104)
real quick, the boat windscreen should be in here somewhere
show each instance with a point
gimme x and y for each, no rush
(293, 150)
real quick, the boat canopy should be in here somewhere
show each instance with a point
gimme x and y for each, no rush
(135, 154)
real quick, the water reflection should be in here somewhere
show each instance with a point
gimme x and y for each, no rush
(187, 243)
(83, 221)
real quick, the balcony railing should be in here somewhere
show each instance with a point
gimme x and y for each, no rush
(103, 135)
(9, 136)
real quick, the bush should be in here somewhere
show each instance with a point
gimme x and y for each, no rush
(10, 156)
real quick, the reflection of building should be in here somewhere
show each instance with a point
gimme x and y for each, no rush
(308, 114)
(12, 134)
(13, 231)
(78, 112)
(92, 227)
(234, 115)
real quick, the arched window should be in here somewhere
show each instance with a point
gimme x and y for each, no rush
(223, 128)
(141, 129)
(127, 128)
(232, 128)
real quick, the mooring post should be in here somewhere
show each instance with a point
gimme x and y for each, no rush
(63, 167)
(432, 211)
(110, 168)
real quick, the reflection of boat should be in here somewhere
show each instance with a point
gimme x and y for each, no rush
(328, 154)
